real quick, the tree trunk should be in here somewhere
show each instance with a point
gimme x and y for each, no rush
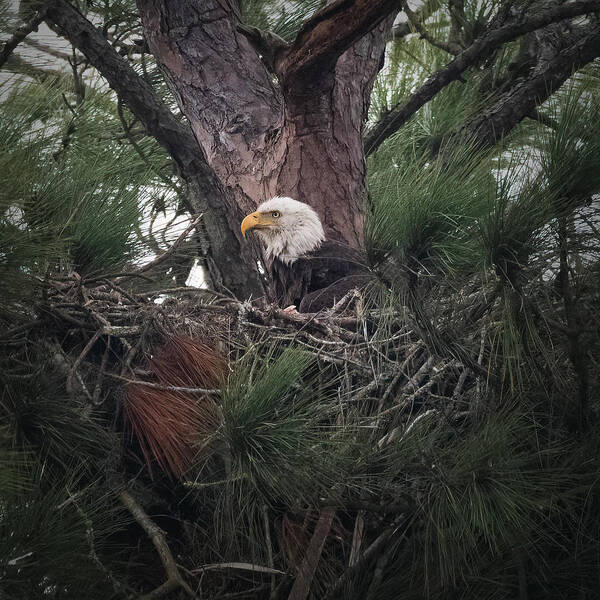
(262, 133)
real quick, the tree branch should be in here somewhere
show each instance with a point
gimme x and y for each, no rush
(328, 34)
(20, 34)
(134, 91)
(47, 48)
(457, 20)
(16, 64)
(480, 49)
(489, 126)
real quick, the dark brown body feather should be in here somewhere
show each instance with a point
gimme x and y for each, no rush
(319, 279)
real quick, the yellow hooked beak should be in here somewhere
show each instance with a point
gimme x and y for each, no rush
(257, 220)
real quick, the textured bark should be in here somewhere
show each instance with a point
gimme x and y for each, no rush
(324, 161)
(231, 262)
(222, 87)
(300, 139)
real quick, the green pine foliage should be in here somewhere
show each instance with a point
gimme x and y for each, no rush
(275, 447)
(55, 543)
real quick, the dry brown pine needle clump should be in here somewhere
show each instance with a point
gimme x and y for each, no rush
(167, 421)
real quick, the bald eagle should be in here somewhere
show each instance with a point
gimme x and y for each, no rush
(307, 270)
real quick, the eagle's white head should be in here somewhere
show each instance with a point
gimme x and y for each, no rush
(288, 228)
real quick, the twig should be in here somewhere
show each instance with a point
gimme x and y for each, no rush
(158, 386)
(167, 253)
(382, 562)
(389, 390)
(98, 386)
(121, 275)
(174, 578)
(183, 290)
(423, 13)
(307, 569)
(240, 565)
(89, 534)
(418, 377)
(127, 131)
(265, 513)
(121, 291)
(549, 122)
(20, 34)
(479, 362)
(368, 554)
(9, 333)
(357, 537)
(78, 360)
(456, 394)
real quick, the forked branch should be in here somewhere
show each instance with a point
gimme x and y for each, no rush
(206, 193)
(174, 578)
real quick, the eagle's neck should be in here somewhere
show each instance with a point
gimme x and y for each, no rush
(288, 244)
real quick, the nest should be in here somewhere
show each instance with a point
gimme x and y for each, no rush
(166, 353)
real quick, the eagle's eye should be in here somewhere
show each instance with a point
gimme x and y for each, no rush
(275, 214)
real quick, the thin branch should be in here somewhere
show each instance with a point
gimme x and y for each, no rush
(132, 89)
(307, 569)
(170, 388)
(380, 566)
(16, 64)
(13, 331)
(118, 587)
(83, 354)
(98, 386)
(366, 557)
(239, 565)
(20, 34)
(545, 120)
(457, 20)
(413, 19)
(357, 537)
(423, 13)
(174, 578)
(47, 48)
(131, 139)
(159, 259)
(477, 51)
(265, 515)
